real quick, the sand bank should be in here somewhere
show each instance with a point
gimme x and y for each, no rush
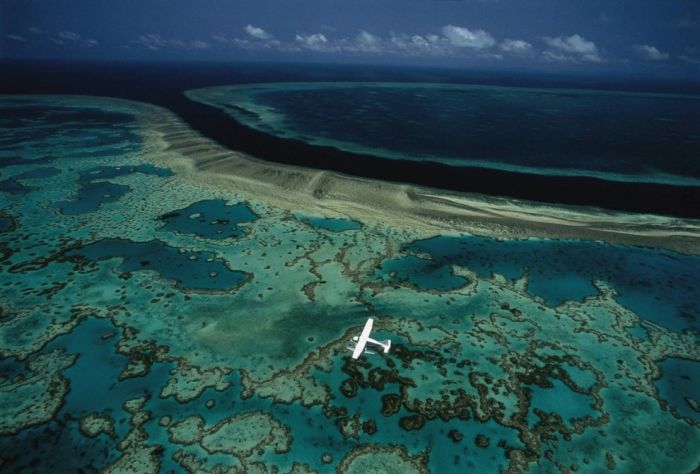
(173, 144)
(170, 142)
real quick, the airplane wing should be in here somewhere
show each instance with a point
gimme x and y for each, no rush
(362, 341)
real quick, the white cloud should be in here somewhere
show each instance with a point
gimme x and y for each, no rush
(422, 45)
(406, 43)
(552, 56)
(572, 44)
(369, 43)
(257, 33)
(19, 38)
(453, 40)
(416, 41)
(35, 30)
(689, 59)
(450, 40)
(690, 55)
(199, 44)
(650, 52)
(575, 46)
(71, 38)
(152, 41)
(397, 44)
(255, 43)
(465, 38)
(156, 42)
(515, 46)
(316, 42)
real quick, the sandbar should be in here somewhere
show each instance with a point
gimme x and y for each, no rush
(170, 142)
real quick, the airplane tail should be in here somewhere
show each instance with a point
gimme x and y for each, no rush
(386, 345)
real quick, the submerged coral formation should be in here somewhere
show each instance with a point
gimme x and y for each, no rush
(180, 324)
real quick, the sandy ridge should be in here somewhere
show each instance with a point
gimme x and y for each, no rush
(169, 142)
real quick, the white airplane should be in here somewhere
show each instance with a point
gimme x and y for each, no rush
(363, 339)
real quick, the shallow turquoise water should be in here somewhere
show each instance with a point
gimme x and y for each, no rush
(679, 385)
(214, 305)
(422, 273)
(558, 399)
(328, 223)
(660, 286)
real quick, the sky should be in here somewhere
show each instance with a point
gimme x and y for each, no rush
(645, 37)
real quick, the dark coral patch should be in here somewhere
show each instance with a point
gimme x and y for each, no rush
(482, 441)
(391, 404)
(348, 387)
(455, 436)
(412, 423)
(369, 427)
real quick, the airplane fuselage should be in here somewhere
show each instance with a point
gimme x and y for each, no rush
(363, 339)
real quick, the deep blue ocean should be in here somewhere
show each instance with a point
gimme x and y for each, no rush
(615, 135)
(625, 144)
